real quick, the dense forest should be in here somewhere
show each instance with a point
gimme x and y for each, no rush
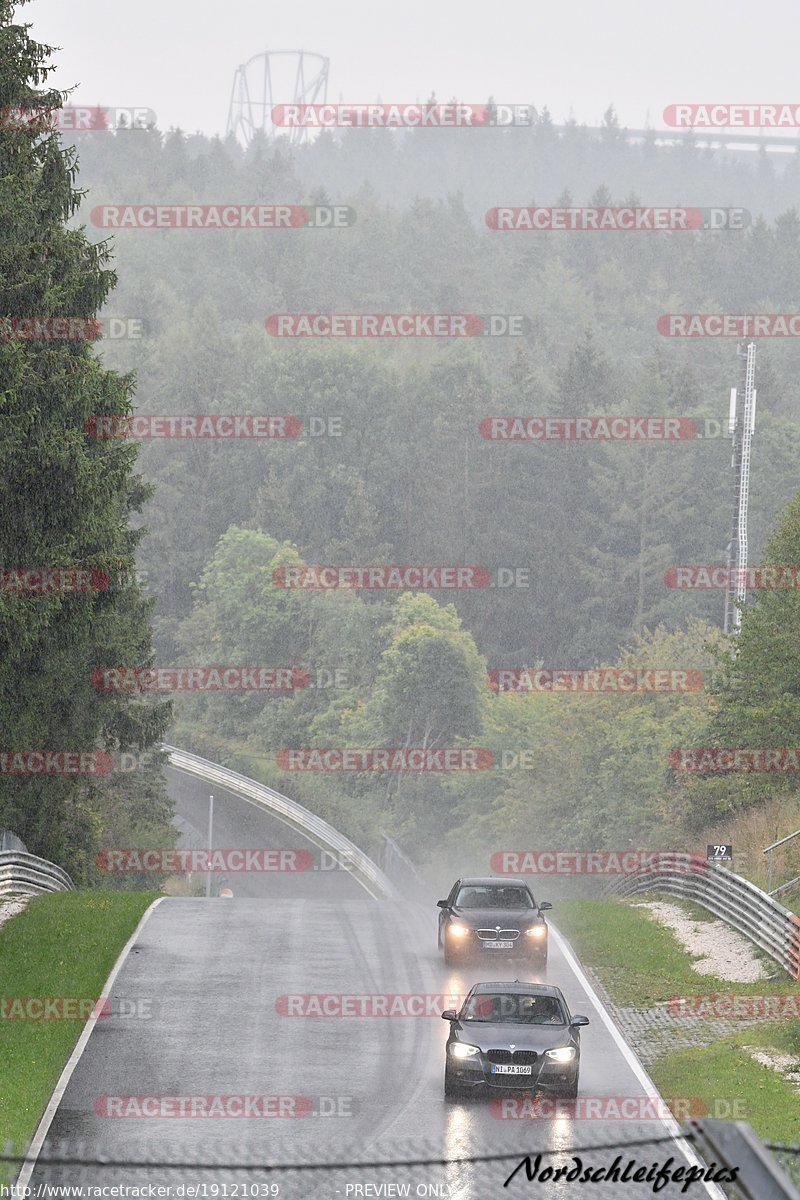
(391, 468)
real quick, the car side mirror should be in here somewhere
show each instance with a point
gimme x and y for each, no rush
(441, 904)
(545, 904)
(579, 1020)
(449, 1014)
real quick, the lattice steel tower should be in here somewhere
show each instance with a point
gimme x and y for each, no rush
(275, 77)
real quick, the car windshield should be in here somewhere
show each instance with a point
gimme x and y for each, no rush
(475, 896)
(513, 1008)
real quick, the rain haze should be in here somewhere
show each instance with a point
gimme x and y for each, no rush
(399, 620)
(577, 58)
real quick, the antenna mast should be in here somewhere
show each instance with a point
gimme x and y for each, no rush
(741, 427)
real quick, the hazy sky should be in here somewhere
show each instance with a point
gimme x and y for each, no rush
(178, 57)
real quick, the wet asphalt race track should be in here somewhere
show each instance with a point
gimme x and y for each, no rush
(206, 978)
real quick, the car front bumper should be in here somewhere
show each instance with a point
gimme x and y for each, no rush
(476, 1072)
(473, 947)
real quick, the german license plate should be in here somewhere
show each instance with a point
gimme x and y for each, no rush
(511, 1069)
(497, 945)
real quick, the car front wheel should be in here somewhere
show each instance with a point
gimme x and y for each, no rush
(451, 1087)
(451, 959)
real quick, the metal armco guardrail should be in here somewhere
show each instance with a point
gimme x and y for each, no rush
(761, 1175)
(323, 835)
(9, 841)
(29, 875)
(404, 875)
(735, 900)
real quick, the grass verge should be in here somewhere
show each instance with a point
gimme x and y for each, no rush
(731, 1085)
(63, 944)
(641, 964)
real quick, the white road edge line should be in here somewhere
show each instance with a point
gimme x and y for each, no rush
(650, 1088)
(43, 1127)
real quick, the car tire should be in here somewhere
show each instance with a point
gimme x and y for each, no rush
(451, 959)
(451, 1087)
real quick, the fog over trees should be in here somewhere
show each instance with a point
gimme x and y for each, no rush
(396, 472)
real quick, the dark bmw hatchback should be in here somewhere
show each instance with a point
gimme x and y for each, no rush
(517, 1036)
(490, 917)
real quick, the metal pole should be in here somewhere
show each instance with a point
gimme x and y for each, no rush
(741, 427)
(210, 841)
(769, 874)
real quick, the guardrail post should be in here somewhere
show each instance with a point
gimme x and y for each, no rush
(769, 849)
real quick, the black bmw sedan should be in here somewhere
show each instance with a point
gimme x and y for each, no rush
(517, 1036)
(491, 916)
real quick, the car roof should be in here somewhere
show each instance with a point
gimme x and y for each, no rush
(529, 989)
(493, 880)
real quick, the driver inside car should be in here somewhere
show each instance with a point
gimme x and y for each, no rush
(539, 1010)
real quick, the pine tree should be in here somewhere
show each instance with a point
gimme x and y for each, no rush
(66, 496)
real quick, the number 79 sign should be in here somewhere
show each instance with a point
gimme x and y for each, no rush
(719, 853)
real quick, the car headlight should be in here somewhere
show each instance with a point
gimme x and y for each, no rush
(460, 1050)
(536, 931)
(562, 1054)
(457, 930)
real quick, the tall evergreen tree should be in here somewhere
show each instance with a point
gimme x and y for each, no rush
(66, 497)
